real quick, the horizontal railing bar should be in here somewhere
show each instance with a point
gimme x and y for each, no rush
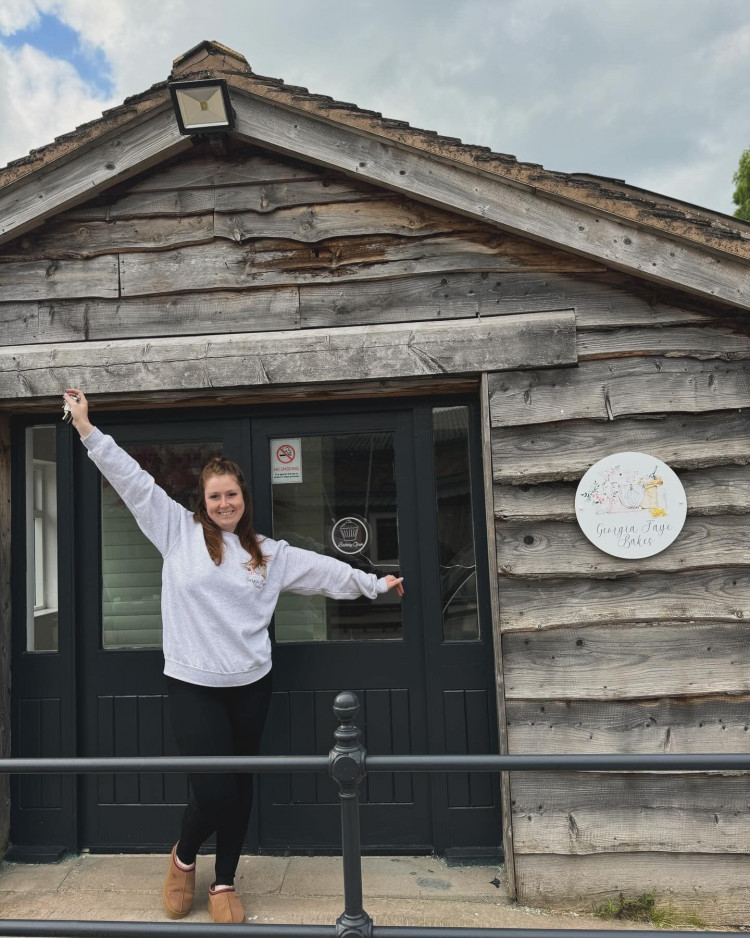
(422, 931)
(67, 928)
(425, 931)
(658, 762)
(264, 764)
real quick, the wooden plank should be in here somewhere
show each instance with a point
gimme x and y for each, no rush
(712, 886)
(699, 724)
(695, 596)
(269, 197)
(645, 311)
(197, 313)
(380, 388)
(589, 813)
(265, 263)
(601, 297)
(46, 280)
(414, 298)
(558, 549)
(719, 490)
(727, 343)
(277, 263)
(479, 195)
(566, 450)
(176, 314)
(309, 356)
(5, 624)
(204, 170)
(341, 219)
(102, 162)
(617, 388)
(28, 323)
(178, 202)
(76, 239)
(345, 219)
(96, 210)
(502, 722)
(648, 660)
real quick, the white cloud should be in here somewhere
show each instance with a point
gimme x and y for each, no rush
(17, 14)
(41, 98)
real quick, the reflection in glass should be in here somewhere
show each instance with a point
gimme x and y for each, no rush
(458, 581)
(131, 565)
(343, 505)
(41, 540)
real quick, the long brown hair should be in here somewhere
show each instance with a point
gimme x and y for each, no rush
(219, 466)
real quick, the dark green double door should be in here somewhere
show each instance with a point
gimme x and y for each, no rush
(393, 491)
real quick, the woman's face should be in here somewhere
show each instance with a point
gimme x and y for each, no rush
(224, 502)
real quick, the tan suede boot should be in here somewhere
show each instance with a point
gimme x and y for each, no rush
(224, 906)
(178, 890)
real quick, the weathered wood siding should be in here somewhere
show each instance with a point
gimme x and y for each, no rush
(255, 243)
(641, 656)
(5, 610)
(598, 654)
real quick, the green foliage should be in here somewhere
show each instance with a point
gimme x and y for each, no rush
(742, 182)
(644, 908)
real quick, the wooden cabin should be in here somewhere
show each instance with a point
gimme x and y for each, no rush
(422, 346)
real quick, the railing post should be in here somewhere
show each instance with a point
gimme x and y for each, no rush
(346, 766)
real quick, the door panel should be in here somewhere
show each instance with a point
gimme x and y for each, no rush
(122, 689)
(43, 807)
(354, 500)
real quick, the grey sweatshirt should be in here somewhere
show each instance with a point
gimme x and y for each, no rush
(215, 618)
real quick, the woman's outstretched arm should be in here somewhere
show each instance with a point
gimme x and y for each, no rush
(158, 516)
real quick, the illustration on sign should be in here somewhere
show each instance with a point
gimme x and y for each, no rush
(286, 461)
(630, 505)
(350, 535)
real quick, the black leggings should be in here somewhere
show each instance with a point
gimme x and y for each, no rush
(218, 721)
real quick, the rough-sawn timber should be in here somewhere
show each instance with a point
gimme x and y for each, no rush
(313, 355)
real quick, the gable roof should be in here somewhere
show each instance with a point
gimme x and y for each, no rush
(631, 229)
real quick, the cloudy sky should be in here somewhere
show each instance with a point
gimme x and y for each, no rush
(655, 92)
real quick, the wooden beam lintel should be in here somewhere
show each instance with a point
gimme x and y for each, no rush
(307, 357)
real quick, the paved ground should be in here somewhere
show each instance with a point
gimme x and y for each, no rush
(306, 890)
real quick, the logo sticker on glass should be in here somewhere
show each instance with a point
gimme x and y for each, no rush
(286, 461)
(631, 505)
(350, 535)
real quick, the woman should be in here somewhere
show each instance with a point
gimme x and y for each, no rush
(220, 585)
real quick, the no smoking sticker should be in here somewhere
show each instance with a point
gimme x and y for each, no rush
(286, 461)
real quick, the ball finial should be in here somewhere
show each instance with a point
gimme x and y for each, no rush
(346, 706)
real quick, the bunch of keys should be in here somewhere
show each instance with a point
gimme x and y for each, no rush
(67, 414)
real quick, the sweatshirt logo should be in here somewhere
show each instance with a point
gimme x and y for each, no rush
(256, 576)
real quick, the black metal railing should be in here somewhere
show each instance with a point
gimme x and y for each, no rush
(348, 764)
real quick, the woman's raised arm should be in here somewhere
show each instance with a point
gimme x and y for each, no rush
(159, 516)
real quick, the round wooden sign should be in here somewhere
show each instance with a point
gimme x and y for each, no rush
(630, 505)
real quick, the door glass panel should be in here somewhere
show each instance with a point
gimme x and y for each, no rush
(458, 581)
(131, 565)
(41, 539)
(336, 495)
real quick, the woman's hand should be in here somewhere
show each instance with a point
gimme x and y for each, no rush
(79, 410)
(396, 583)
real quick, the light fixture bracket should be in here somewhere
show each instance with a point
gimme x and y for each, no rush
(202, 106)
